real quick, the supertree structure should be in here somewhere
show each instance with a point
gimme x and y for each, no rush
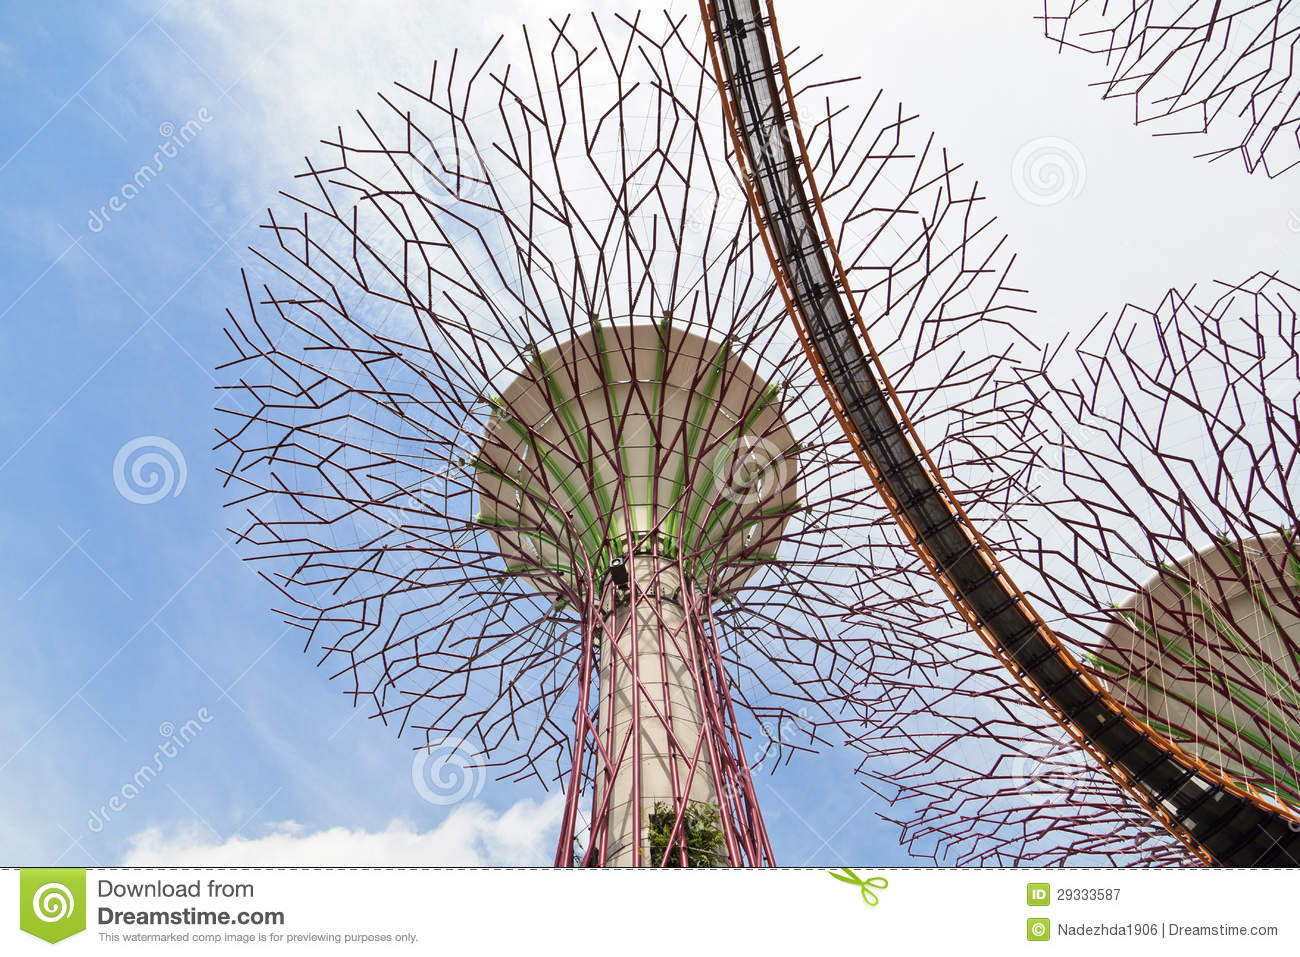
(1226, 68)
(1175, 483)
(519, 430)
(1160, 522)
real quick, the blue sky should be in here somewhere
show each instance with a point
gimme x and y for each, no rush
(125, 617)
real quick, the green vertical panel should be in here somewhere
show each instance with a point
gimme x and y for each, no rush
(699, 407)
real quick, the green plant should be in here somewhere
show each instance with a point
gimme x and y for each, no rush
(701, 829)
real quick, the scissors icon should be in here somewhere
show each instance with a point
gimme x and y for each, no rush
(868, 895)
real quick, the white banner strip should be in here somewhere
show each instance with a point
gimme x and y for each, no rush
(524, 911)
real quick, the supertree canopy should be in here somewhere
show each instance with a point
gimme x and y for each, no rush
(1176, 496)
(1226, 68)
(1208, 650)
(519, 430)
(1157, 524)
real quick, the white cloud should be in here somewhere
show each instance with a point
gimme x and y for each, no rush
(472, 835)
(280, 77)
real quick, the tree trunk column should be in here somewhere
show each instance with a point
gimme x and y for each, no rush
(650, 622)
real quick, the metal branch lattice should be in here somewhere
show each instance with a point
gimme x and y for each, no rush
(1160, 524)
(1226, 68)
(495, 234)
